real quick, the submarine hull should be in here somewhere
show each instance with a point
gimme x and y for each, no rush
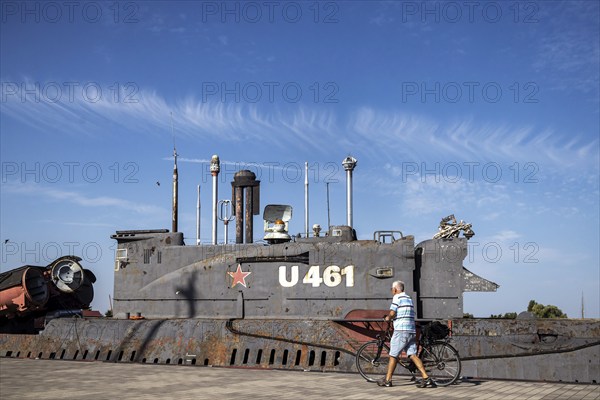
(540, 350)
(307, 305)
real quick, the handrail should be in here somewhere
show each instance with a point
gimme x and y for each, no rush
(379, 235)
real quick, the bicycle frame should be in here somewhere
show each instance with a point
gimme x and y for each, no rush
(440, 359)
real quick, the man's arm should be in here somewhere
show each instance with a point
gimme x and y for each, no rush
(390, 316)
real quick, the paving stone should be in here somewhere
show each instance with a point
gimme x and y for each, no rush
(23, 379)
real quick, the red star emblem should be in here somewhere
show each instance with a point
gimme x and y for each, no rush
(239, 276)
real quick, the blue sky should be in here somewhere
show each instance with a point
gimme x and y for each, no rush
(487, 110)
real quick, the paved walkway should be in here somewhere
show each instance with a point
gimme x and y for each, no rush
(53, 379)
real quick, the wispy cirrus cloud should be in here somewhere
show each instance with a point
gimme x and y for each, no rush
(416, 138)
(145, 112)
(79, 199)
(380, 135)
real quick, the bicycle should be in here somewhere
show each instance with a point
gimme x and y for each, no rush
(440, 359)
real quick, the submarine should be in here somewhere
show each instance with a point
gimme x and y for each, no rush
(303, 302)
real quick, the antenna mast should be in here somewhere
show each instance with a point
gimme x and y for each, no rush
(328, 214)
(198, 218)
(175, 181)
(306, 199)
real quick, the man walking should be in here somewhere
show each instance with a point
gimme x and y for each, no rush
(402, 312)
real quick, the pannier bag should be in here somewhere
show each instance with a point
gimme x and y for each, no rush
(436, 330)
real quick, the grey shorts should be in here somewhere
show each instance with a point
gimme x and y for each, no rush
(403, 340)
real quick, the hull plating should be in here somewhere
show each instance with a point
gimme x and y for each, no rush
(549, 350)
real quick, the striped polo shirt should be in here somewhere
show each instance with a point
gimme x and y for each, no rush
(402, 304)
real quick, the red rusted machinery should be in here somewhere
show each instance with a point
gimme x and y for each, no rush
(30, 292)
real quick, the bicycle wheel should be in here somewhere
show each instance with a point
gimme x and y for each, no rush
(369, 364)
(441, 362)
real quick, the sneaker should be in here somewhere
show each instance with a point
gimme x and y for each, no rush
(427, 382)
(385, 383)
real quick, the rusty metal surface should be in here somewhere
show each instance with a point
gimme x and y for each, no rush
(267, 344)
(524, 337)
(491, 349)
(539, 349)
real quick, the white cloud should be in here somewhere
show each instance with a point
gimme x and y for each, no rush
(399, 136)
(79, 199)
(414, 138)
(506, 236)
